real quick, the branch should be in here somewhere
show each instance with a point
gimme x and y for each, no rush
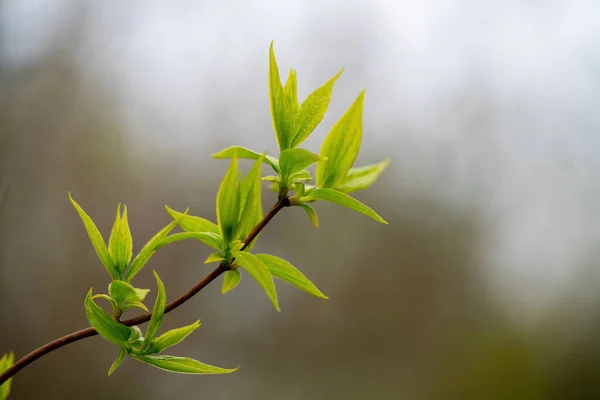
(88, 332)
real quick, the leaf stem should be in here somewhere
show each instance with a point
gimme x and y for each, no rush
(88, 332)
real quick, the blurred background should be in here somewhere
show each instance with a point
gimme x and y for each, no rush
(485, 284)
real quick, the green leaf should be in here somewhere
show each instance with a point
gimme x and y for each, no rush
(148, 250)
(214, 257)
(312, 215)
(182, 365)
(251, 211)
(157, 312)
(290, 274)
(213, 240)
(6, 362)
(313, 110)
(107, 327)
(280, 107)
(300, 176)
(190, 223)
(290, 92)
(122, 291)
(134, 304)
(118, 361)
(126, 296)
(344, 200)
(362, 177)
(228, 202)
(341, 146)
(260, 272)
(231, 280)
(293, 161)
(244, 153)
(97, 240)
(171, 338)
(120, 243)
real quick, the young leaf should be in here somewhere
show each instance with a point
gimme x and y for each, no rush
(288, 273)
(231, 280)
(118, 360)
(190, 223)
(260, 272)
(312, 215)
(313, 110)
(157, 312)
(6, 362)
(107, 327)
(344, 200)
(126, 296)
(148, 250)
(171, 338)
(228, 202)
(250, 201)
(279, 104)
(300, 177)
(213, 240)
(293, 161)
(290, 92)
(97, 240)
(242, 152)
(120, 243)
(362, 177)
(182, 365)
(214, 257)
(341, 146)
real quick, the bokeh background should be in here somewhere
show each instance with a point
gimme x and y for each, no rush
(485, 284)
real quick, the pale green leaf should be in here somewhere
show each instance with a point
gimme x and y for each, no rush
(122, 292)
(281, 122)
(6, 362)
(107, 327)
(251, 211)
(148, 250)
(118, 360)
(182, 365)
(97, 240)
(214, 257)
(362, 177)
(290, 92)
(271, 178)
(300, 176)
(213, 240)
(313, 110)
(120, 244)
(260, 272)
(344, 200)
(293, 161)
(231, 280)
(242, 152)
(341, 146)
(290, 274)
(228, 202)
(312, 215)
(171, 338)
(190, 223)
(134, 304)
(157, 312)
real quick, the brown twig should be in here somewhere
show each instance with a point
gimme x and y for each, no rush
(88, 332)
